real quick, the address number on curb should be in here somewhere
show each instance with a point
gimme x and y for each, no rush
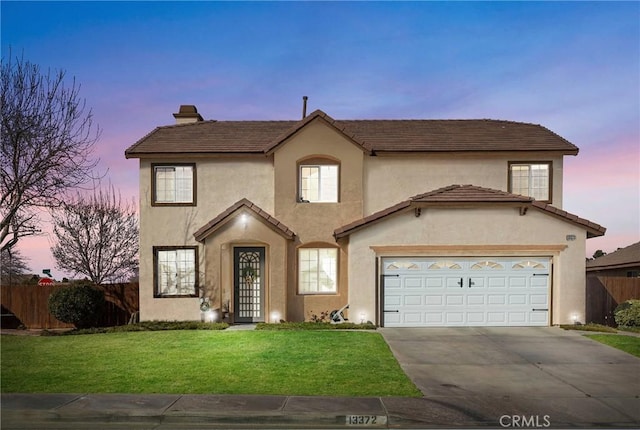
(366, 420)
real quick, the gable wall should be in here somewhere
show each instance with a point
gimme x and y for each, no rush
(317, 221)
(392, 179)
(220, 183)
(486, 229)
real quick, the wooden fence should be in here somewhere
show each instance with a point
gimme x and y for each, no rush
(604, 293)
(29, 305)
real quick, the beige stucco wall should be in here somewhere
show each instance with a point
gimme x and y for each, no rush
(314, 223)
(220, 183)
(479, 232)
(391, 179)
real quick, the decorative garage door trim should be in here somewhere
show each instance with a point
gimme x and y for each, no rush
(465, 291)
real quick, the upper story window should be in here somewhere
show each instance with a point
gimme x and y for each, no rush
(319, 183)
(175, 271)
(531, 180)
(174, 184)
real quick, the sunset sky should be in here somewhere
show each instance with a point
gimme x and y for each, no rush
(573, 67)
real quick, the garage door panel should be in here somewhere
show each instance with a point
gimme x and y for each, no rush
(475, 300)
(497, 282)
(393, 300)
(434, 318)
(493, 292)
(412, 282)
(496, 318)
(539, 299)
(476, 318)
(517, 299)
(517, 282)
(496, 299)
(431, 300)
(455, 300)
(454, 317)
(435, 282)
(412, 317)
(413, 300)
(517, 318)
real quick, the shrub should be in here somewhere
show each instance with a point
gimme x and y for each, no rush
(80, 305)
(627, 314)
(315, 326)
(143, 326)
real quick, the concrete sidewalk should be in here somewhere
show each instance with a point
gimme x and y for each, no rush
(165, 411)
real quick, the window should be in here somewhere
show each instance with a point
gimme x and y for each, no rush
(488, 264)
(445, 265)
(317, 270)
(175, 271)
(319, 183)
(174, 184)
(531, 180)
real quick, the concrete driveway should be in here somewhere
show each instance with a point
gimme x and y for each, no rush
(542, 377)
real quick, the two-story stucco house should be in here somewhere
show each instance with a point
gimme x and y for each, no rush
(410, 222)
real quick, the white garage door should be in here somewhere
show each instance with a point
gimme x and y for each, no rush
(491, 291)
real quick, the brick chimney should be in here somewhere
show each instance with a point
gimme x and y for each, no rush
(187, 114)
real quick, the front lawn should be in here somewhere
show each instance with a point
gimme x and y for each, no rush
(630, 344)
(322, 363)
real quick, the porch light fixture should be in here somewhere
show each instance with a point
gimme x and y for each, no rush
(363, 317)
(243, 219)
(212, 316)
(275, 317)
(571, 237)
(574, 318)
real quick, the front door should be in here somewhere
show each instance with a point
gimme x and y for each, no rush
(248, 275)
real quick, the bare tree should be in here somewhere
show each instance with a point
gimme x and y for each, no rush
(47, 140)
(12, 266)
(97, 236)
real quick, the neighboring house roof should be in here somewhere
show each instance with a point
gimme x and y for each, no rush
(457, 195)
(220, 220)
(622, 258)
(372, 135)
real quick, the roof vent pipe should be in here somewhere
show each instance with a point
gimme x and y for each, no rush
(304, 106)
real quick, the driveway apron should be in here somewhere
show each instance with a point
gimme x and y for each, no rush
(506, 377)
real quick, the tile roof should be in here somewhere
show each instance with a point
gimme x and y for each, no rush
(454, 195)
(217, 222)
(372, 135)
(624, 257)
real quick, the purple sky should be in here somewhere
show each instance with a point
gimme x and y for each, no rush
(573, 67)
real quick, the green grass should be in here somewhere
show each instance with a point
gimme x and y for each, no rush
(630, 344)
(337, 363)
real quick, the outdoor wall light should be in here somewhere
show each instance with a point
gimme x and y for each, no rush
(571, 237)
(574, 318)
(275, 316)
(243, 219)
(363, 317)
(212, 316)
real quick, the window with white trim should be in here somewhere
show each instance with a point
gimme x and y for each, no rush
(319, 183)
(317, 270)
(531, 180)
(174, 184)
(175, 271)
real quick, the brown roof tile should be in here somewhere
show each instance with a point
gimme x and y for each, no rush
(624, 257)
(373, 135)
(468, 194)
(218, 221)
